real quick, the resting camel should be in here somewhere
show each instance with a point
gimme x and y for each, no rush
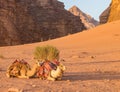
(21, 69)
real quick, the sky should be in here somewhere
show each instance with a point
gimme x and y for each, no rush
(92, 7)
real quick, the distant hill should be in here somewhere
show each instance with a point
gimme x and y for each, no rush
(87, 20)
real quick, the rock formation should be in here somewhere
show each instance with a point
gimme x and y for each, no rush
(87, 20)
(104, 16)
(27, 21)
(112, 13)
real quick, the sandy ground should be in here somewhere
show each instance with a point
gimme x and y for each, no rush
(92, 59)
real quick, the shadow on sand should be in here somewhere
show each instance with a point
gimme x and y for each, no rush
(91, 76)
(101, 62)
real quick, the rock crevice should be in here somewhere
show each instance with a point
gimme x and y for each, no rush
(86, 19)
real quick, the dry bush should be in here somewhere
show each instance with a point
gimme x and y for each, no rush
(46, 53)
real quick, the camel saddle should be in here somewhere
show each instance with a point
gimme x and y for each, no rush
(45, 68)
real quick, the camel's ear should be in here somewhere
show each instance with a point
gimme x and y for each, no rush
(62, 67)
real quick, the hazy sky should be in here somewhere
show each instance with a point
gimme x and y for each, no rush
(91, 7)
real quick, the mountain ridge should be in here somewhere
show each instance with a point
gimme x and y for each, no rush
(87, 20)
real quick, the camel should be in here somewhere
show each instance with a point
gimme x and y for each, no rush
(22, 69)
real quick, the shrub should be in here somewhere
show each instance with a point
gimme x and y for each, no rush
(46, 53)
(52, 53)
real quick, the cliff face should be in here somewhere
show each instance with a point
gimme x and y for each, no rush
(27, 21)
(104, 16)
(112, 13)
(87, 20)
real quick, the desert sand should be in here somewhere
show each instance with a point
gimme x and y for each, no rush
(92, 60)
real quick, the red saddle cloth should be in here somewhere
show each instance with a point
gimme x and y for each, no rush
(45, 68)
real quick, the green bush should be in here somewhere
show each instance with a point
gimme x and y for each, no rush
(46, 53)
(52, 53)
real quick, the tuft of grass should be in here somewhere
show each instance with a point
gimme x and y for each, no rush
(52, 53)
(46, 53)
(2, 57)
(40, 53)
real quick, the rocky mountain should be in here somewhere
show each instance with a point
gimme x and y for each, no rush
(27, 21)
(112, 13)
(87, 20)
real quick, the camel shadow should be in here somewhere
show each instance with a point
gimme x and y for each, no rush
(100, 62)
(91, 76)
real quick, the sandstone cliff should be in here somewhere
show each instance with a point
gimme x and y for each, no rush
(27, 21)
(87, 20)
(112, 13)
